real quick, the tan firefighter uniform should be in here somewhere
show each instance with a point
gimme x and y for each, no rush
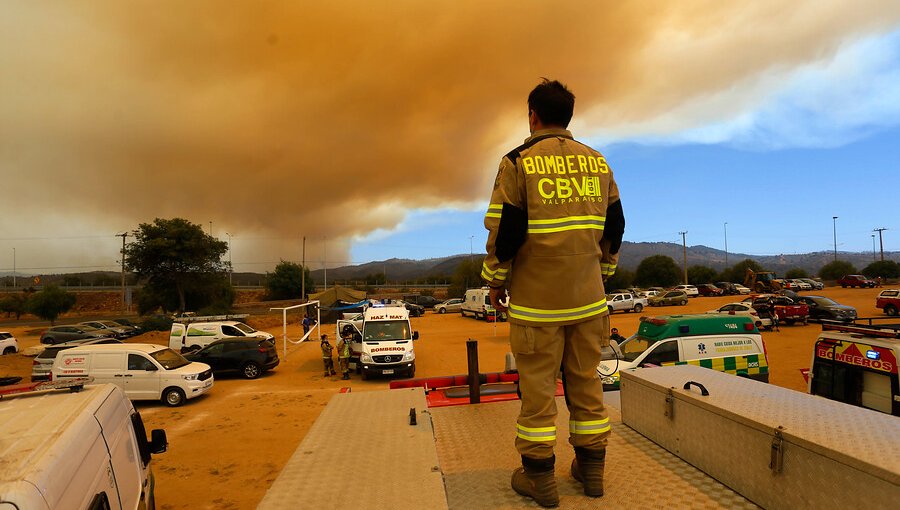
(343, 347)
(327, 359)
(555, 226)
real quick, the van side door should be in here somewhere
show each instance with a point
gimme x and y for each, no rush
(176, 337)
(142, 379)
(128, 471)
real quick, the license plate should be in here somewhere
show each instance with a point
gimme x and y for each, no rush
(388, 371)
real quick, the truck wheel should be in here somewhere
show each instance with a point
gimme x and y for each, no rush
(890, 310)
(638, 308)
(442, 311)
(173, 397)
(251, 370)
(412, 371)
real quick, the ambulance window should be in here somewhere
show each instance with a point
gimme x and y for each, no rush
(663, 352)
(100, 502)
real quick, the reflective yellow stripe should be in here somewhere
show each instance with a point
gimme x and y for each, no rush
(589, 427)
(607, 269)
(549, 315)
(547, 226)
(536, 433)
(498, 274)
(494, 211)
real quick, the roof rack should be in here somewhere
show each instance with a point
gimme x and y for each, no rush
(865, 326)
(209, 318)
(71, 384)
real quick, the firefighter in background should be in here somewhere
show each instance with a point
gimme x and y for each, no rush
(555, 225)
(327, 359)
(343, 347)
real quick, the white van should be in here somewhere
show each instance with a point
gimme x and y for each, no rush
(196, 335)
(143, 371)
(383, 341)
(727, 343)
(477, 303)
(84, 450)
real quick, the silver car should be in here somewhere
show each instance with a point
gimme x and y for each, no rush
(111, 327)
(451, 305)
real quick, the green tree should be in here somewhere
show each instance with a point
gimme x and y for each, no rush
(14, 304)
(621, 279)
(657, 270)
(467, 276)
(835, 270)
(882, 268)
(287, 280)
(49, 303)
(701, 274)
(796, 273)
(207, 292)
(175, 255)
(737, 272)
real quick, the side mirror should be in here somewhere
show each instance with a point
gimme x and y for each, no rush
(158, 441)
(415, 335)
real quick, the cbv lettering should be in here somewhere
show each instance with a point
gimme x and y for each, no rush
(586, 186)
(562, 165)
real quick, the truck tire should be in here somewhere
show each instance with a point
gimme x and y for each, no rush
(173, 397)
(890, 310)
(412, 371)
(638, 308)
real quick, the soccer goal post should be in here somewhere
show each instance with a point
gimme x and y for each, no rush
(284, 312)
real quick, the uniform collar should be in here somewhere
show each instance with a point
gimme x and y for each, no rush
(565, 133)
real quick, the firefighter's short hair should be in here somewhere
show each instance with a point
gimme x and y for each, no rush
(552, 102)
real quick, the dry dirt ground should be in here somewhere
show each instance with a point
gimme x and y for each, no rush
(226, 447)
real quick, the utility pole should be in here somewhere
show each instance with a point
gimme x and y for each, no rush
(210, 227)
(230, 266)
(303, 272)
(471, 238)
(684, 248)
(873, 248)
(726, 245)
(881, 240)
(14, 268)
(325, 260)
(123, 235)
(834, 227)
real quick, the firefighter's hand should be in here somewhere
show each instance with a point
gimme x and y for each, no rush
(497, 294)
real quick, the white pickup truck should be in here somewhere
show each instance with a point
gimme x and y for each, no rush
(625, 302)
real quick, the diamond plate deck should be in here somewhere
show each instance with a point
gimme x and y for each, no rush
(362, 453)
(475, 446)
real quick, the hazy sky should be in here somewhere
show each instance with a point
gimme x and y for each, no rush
(375, 128)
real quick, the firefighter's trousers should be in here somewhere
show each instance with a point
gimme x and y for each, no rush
(329, 365)
(345, 365)
(541, 352)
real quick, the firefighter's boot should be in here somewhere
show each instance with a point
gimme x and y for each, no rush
(537, 480)
(587, 468)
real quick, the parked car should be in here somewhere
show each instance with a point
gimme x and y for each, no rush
(708, 289)
(821, 307)
(690, 290)
(8, 343)
(649, 293)
(856, 280)
(249, 357)
(815, 284)
(798, 284)
(670, 297)
(113, 328)
(741, 289)
(889, 301)
(788, 310)
(43, 362)
(414, 309)
(451, 305)
(728, 288)
(743, 308)
(60, 334)
(625, 302)
(426, 301)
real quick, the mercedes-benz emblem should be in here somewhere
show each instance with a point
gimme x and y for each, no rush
(387, 359)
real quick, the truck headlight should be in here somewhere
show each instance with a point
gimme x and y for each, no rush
(365, 358)
(408, 356)
(190, 377)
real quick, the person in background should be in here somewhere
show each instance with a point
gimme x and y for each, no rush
(306, 323)
(327, 360)
(614, 335)
(343, 347)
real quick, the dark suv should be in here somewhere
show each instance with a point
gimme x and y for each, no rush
(425, 301)
(728, 288)
(856, 280)
(248, 356)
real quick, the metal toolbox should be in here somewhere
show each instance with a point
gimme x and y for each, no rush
(777, 447)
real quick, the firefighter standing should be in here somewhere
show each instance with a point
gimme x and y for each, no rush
(327, 351)
(555, 226)
(343, 347)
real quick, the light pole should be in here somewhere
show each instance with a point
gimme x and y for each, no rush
(471, 238)
(881, 241)
(14, 268)
(873, 247)
(726, 245)
(123, 235)
(684, 247)
(303, 272)
(230, 266)
(834, 227)
(325, 260)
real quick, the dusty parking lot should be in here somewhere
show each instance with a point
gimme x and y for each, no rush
(226, 448)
